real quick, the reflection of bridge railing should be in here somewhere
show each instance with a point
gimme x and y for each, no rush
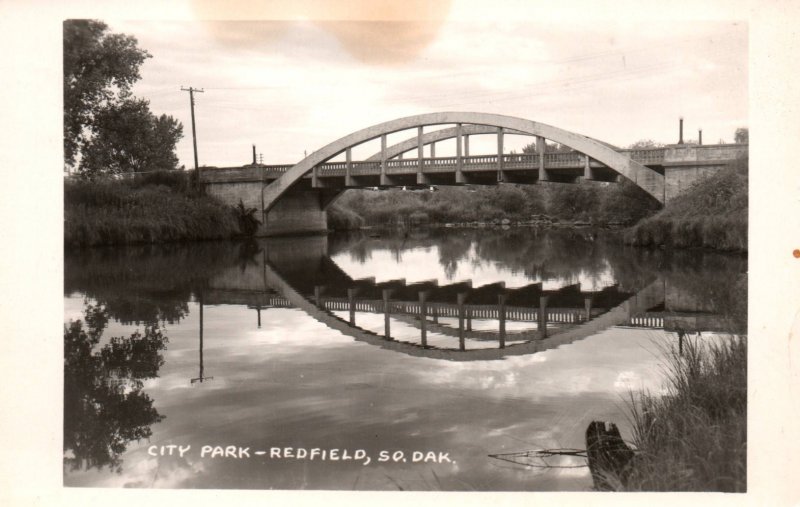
(512, 313)
(515, 313)
(648, 320)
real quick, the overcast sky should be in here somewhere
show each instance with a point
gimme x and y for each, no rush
(293, 86)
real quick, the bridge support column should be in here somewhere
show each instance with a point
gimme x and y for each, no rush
(423, 318)
(384, 178)
(460, 299)
(469, 319)
(433, 150)
(421, 179)
(386, 311)
(501, 302)
(351, 303)
(459, 160)
(318, 296)
(466, 145)
(500, 173)
(348, 168)
(587, 303)
(543, 317)
(541, 147)
(588, 174)
(315, 177)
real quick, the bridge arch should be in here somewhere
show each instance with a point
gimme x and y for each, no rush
(437, 136)
(646, 178)
(444, 135)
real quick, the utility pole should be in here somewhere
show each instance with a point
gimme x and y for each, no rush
(201, 378)
(194, 134)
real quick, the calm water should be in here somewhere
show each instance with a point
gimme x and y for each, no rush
(250, 359)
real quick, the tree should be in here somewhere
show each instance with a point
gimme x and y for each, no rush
(129, 138)
(99, 68)
(548, 148)
(106, 129)
(644, 144)
(742, 136)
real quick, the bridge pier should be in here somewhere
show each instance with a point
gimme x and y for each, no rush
(423, 318)
(542, 317)
(460, 297)
(541, 147)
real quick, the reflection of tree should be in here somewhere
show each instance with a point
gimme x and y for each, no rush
(146, 283)
(453, 248)
(104, 405)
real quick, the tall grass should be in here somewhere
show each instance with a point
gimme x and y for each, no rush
(710, 214)
(151, 209)
(694, 438)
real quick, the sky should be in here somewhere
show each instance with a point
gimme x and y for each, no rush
(293, 86)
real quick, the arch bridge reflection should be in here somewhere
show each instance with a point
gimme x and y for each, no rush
(283, 275)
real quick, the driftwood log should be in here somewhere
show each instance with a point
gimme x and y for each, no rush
(610, 458)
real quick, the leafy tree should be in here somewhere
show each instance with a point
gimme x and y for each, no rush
(129, 138)
(644, 144)
(548, 148)
(106, 129)
(742, 136)
(99, 68)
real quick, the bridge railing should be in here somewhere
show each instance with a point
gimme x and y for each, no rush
(516, 161)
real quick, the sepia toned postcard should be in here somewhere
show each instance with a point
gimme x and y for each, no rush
(322, 251)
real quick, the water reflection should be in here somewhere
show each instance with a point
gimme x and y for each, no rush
(104, 405)
(367, 342)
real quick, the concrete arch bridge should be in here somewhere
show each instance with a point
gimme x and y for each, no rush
(293, 198)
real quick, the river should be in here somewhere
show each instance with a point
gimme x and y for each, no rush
(266, 365)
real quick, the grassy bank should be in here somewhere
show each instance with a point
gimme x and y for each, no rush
(694, 438)
(595, 203)
(710, 214)
(157, 208)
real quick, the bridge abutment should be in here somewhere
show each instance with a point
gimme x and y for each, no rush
(299, 211)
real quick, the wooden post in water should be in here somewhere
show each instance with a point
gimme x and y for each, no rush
(386, 311)
(351, 301)
(461, 297)
(501, 302)
(423, 317)
(543, 317)
(258, 311)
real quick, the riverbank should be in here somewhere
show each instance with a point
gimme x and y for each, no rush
(694, 438)
(590, 203)
(710, 214)
(156, 208)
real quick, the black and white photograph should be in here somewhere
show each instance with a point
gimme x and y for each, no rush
(413, 247)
